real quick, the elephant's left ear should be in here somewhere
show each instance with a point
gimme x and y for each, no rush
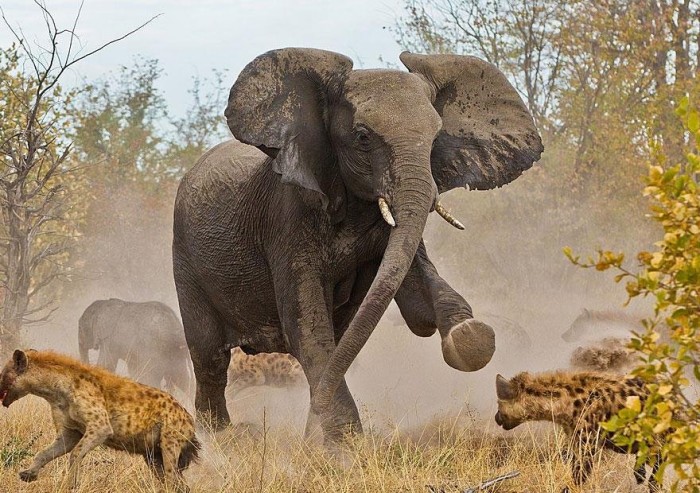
(488, 137)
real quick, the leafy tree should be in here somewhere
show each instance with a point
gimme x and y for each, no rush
(37, 177)
(116, 131)
(125, 133)
(523, 39)
(670, 344)
(36, 224)
(134, 152)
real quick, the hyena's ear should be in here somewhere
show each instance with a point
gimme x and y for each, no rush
(504, 389)
(20, 361)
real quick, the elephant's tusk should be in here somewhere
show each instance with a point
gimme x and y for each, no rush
(386, 212)
(445, 214)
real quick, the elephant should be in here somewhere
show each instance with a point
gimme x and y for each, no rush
(296, 235)
(147, 336)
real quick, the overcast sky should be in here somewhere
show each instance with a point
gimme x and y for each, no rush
(193, 36)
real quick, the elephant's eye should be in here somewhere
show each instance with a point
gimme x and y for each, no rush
(363, 139)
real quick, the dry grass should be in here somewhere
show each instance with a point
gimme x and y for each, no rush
(450, 453)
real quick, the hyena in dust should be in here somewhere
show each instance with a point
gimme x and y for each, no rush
(271, 369)
(578, 402)
(91, 406)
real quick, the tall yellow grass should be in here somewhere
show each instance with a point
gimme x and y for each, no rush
(450, 453)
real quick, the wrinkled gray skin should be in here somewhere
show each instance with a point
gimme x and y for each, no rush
(283, 248)
(147, 336)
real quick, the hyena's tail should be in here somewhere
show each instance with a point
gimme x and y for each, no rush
(189, 453)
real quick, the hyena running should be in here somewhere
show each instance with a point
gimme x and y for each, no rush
(576, 401)
(91, 406)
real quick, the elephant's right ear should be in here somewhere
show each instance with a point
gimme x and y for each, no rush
(278, 104)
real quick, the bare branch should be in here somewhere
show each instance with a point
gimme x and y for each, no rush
(105, 45)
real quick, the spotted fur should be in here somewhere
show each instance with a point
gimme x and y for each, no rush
(576, 401)
(271, 369)
(91, 406)
(607, 355)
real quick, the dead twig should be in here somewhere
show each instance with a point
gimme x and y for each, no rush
(485, 486)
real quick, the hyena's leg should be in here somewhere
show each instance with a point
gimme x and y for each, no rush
(171, 444)
(154, 461)
(640, 473)
(583, 450)
(97, 430)
(64, 443)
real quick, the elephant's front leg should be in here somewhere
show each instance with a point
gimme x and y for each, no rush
(428, 303)
(304, 302)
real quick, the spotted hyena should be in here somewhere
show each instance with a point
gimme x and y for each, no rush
(272, 369)
(91, 406)
(576, 401)
(602, 338)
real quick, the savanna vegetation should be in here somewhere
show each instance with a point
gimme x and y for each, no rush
(88, 175)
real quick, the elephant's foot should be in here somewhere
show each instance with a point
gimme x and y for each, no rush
(469, 345)
(333, 429)
(313, 431)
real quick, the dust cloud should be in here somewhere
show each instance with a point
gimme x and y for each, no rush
(508, 264)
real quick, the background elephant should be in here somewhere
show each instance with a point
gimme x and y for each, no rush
(147, 336)
(299, 245)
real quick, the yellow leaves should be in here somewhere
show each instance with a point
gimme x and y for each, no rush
(644, 257)
(633, 403)
(656, 260)
(693, 121)
(666, 388)
(664, 411)
(570, 254)
(670, 276)
(655, 173)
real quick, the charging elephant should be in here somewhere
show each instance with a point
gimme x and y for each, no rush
(296, 236)
(147, 336)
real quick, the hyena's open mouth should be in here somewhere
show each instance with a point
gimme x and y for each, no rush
(3, 394)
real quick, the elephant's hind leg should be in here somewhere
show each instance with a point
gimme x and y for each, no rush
(205, 334)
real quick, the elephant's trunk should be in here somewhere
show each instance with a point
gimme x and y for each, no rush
(411, 202)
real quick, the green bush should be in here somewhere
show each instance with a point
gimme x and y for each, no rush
(670, 344)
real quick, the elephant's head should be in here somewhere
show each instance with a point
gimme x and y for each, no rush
(394, 138)
(91, 327)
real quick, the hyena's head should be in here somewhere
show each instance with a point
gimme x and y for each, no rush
(14, 378)
(512, 409)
